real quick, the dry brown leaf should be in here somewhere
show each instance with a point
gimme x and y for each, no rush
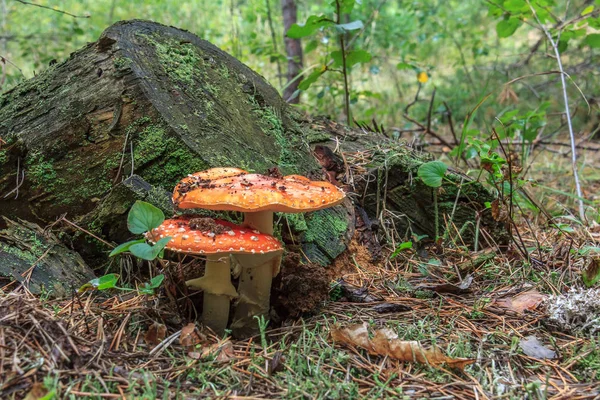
(155, 334)
(276, 364)
(459, 288)
(386, 343)
(189, 337)
(224, 351)
(38, 391)
(528, 300)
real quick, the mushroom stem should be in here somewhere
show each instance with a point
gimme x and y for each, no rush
(218, 291)
(260, 220)
(255, 280)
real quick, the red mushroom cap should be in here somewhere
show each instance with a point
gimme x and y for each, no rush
(233, 189)
(216, 237)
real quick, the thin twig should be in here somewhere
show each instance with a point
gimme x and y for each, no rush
(52, 9)
(344, 70)
(274, 40)
(567, 112)
(85, 231)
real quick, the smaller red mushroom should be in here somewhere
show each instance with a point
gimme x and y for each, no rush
(216, 240)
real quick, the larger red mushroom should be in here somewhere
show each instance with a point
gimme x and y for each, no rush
(258, 197)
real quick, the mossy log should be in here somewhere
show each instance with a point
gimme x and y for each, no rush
(40, 261)
(160, 103)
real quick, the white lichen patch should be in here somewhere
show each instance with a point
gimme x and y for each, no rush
(576, 311)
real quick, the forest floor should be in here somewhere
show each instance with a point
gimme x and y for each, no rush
(479, 309)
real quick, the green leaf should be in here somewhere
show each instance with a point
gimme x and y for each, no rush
(312, 78)
(148, 252)
(507, 27)
(346, 6)
(124, 247)
(591, 274)
(350, 26)
(353, 57)
(587, 10)
(404, 65)
(105, 282)
(401, 247)
(592, 40)
(432, 173)
(154, 283)
(144, 217)
(310, 46)
(313, 24)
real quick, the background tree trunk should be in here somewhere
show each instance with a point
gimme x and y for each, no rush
(293, 49)
(160, 103)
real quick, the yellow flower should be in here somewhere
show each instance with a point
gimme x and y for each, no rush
(422, 77)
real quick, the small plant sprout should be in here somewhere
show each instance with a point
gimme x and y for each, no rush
(109, 281)
(143, 217)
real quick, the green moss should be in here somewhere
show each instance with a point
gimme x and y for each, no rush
(272, 125)
(36, 248)
(149, 144)
(160, 198)
(41, 172)
(179, 60)
(121, 63)
(3, 157)
(317, 137)
(170, 157)
(323, 221)
(296, 222)
(224, 71)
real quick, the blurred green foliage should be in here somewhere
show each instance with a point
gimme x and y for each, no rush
(468, 49)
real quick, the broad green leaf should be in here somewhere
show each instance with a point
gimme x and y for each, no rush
(351, 26)
(124, 247)
(352, 57)
(432, 173)
(148, 252)
(507, 27)
(313, 24)
(105, 282)
(312, 78)
(144, 217)
(592, 40)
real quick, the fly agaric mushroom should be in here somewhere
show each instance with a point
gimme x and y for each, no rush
(258, 197)
(216, 240)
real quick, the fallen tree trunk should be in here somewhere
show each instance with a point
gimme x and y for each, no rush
(160, 103)
(37, 259)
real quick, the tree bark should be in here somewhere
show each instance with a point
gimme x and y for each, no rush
(130, 115)
(293, 49)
